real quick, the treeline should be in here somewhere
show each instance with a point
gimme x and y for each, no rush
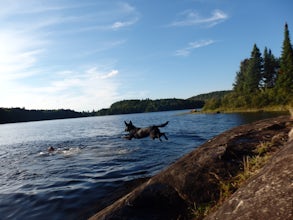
(148, 105)
(211, 95)
(262, 81)
(12, 115)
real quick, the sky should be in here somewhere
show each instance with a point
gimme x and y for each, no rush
(86, 55)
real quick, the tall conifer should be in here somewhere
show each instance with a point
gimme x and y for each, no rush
(254, 71)
(238, 86)
(270, 67)
(284, 84)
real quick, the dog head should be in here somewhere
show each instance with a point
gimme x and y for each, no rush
(129, 126)
(51, 149)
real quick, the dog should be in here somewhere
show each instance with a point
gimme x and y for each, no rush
(152, 131)
(51, 149)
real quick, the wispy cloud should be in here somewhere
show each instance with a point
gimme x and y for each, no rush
(193, 45)
(32, 74)
(121, 24)
(119, 16)
(87, 89)
(192, 18)
(19, 53)
(110, 74)
(17, 7)
(104, 46)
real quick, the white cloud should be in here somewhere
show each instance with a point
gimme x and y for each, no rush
(114, 26)
(110, 74)
(121, 24)
(19, 53)
(191, 18)
(30, 33)
(90, 89)
(104, 46)
(86, 90)
(193, 45)
(95, 73)
(198, 44)
(113, 17)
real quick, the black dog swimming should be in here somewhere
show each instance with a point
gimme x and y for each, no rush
(51, 149)
(152, 131)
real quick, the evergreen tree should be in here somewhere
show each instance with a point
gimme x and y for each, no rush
(270, 67)
(238, 86)
(284, 84)
(253, 73)
(262, 81)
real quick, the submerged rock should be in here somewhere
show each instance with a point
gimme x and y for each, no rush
(196, 178)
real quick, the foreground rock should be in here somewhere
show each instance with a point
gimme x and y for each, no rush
(267, 195)
(196, 179)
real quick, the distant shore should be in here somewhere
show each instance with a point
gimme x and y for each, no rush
(282, 109)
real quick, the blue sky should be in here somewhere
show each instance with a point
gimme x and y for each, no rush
(85, 55)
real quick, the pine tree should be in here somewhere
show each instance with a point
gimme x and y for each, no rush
(284, 84)
(270, 67)
(238, 86)
(254, 70)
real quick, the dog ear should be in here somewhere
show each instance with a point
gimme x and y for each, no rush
(130, 122)
(125, 123)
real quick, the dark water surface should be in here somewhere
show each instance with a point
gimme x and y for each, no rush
(91, 159)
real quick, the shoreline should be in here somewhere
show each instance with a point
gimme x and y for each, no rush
(281, 109)
(195, 180)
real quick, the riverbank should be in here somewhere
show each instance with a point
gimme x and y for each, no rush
(200, 182)
(281, 109)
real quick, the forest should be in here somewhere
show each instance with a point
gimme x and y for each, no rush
(263, 80)
(148, 105)
(11, 115)
(210, 95)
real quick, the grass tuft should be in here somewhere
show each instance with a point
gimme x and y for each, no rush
(250, 164)
(200, 211)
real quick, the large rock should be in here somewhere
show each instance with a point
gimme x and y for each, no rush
(267, 195)
(196, 177)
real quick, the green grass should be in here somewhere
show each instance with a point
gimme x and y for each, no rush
(200, 211)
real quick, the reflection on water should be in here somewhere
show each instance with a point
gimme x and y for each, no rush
(91, 159)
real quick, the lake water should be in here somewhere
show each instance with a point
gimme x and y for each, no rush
(91, 159)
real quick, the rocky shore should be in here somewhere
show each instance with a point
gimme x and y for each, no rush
(206, 182)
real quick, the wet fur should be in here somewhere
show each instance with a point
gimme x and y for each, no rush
(152, 131)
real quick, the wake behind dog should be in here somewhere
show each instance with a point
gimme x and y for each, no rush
(152, 131)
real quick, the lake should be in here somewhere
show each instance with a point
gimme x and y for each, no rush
(92, 159)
